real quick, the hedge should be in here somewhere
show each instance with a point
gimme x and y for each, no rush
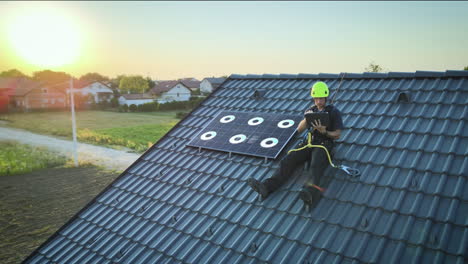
(155, 106)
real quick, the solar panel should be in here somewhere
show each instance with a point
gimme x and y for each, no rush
(255, 134)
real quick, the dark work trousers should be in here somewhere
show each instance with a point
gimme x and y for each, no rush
(293, 160)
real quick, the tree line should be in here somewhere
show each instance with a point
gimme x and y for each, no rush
(125, 83)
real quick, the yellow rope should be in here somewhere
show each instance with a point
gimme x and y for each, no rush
(309, 145)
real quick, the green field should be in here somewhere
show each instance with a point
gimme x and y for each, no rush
(18, 158)
(132, 130)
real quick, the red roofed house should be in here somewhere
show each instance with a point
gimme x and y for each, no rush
(7, 89)
(28, 94)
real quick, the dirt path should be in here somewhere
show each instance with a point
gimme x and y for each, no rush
(101, 156)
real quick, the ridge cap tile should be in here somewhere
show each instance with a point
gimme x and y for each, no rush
(328, 75)
(456, 73)
(376, 75)
(434, 74)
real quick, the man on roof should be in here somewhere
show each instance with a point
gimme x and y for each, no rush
(318, 134)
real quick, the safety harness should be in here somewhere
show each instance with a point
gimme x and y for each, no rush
(348, 170)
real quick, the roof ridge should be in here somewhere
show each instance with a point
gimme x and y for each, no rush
(350, 75)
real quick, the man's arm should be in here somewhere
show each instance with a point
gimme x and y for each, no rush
(323, 130)
(333, 134)
(302, 126)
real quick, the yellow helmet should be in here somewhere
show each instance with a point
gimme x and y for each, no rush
(319, 89)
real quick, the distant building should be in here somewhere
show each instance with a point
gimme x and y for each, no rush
(192, 84)
(209, 85)
(27, 94)
(168, 91)
(136, 99)
(99, 91)
(7, 89)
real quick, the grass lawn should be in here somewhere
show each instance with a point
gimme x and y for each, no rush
(18, 158)
(36, 199)
(131, 130)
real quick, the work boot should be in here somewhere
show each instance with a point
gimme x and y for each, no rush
(310, 194)
(259, 187)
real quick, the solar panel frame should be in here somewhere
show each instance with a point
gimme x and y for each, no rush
(254, 134)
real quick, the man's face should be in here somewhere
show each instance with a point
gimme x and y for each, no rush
(320, 102)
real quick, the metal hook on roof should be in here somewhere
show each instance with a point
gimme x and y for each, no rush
(350, 171)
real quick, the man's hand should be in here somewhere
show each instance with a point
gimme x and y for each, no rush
(317, 125)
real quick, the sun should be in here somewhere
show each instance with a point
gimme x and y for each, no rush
(44, 37)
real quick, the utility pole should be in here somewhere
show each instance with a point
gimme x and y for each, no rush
(75, 150)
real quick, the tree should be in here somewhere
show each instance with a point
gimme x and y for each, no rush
(133, 84)
(373, 67)
(94, 77)
(115, 82)
(151, 83)
(466, 68)
(14, 73)
(51, 77)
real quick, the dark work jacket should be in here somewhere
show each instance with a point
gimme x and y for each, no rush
(336, 122)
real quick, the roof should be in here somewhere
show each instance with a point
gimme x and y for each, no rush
(163, 86)
(191, 84)
(8, 82)
(19, 86)
(180, 204)
(79, 84)
(8, 85)
(215, 82)
(137, 96)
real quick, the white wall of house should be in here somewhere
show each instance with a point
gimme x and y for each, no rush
(99, 91)
(177, 93)
(205, 86)
(123, 101)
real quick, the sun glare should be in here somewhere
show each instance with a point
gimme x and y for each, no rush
(44, 37)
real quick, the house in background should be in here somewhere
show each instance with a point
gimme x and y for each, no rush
(27, 94)
(99, 91)
(7, 90)
(191, 83)
(169, 91)
(208, 85)
(135, 99)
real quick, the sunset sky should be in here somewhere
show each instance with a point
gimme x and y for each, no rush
(167, 40)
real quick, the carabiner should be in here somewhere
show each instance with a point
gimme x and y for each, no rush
(350, 171)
